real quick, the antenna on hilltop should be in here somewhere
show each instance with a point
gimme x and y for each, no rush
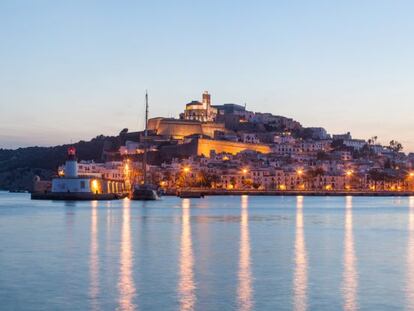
(146, 112)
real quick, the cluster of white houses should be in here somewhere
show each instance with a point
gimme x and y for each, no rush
(86, 178)
(241, 149)
(252, 170)
(228, 147)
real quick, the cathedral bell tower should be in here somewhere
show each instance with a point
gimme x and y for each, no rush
(206, 100)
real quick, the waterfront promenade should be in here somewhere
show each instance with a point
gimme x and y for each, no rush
(294, 192)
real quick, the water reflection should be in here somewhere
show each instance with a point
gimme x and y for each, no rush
(300, 279)
(410, 257)
(126, 284)
(350, 276)
(94, 257)
(245, 291)
(186, 285)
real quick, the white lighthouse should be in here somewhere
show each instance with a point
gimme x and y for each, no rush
(74, 183)
(71, 182)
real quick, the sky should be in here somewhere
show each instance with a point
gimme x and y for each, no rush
(71, 70)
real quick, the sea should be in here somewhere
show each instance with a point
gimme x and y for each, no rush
(216, 253)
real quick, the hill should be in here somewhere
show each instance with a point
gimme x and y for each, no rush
(18, 167)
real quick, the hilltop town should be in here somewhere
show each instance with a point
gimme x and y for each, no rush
(227, 147)
(231, 148)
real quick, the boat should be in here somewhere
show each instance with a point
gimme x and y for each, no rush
(145, 191)
(191, 195)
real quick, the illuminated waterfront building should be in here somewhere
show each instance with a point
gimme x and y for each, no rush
(87, 177)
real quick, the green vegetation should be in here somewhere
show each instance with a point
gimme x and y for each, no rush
(18, 167)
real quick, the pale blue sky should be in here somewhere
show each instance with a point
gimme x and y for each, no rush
(70, 70)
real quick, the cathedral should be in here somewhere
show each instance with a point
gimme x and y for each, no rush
(200, 111)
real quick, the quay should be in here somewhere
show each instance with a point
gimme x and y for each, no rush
(209, 192)
(77, 196)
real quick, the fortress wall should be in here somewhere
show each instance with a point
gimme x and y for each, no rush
(210, 128)
(204, 147)
(178, 129)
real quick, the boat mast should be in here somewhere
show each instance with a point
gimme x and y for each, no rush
(144, 161)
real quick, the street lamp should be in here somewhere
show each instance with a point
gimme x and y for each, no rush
(348, 174)
(186, 170)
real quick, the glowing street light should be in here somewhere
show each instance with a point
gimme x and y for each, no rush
(299, 172)
(411, 174)
(245, 171)
(349, 173)
(186, 169)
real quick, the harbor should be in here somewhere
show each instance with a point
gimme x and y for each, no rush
(217, 253)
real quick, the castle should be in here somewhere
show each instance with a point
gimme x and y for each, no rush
(198, 118)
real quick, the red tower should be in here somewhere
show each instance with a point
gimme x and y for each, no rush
(71, 153)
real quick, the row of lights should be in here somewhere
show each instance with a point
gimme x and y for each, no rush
(299, 172)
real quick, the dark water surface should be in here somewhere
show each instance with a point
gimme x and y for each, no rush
(217, 253)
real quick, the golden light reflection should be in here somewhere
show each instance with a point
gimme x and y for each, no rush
(245, 291)
(350, 274)
(94, 257)
(108, 226)
(187, 284)
(126, 284)
(410, 257)
(300, 279)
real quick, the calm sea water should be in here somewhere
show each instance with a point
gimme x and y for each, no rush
(217, 253)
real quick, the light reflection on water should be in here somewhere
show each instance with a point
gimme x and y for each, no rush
(410, 257)
(126, 255)
(126, 284)
(94, 257)
(350, 275)
(245, 291)
(186, 285)
(300, 278)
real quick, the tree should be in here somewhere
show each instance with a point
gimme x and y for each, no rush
(247, 182)
(395, 146)
(310, 176)
(233, 181)
(372, 140)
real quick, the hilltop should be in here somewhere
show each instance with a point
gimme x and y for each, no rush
(18, 167)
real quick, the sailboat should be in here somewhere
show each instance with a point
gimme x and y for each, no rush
(145, 191)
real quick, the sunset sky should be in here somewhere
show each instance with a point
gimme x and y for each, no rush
(71, 70)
